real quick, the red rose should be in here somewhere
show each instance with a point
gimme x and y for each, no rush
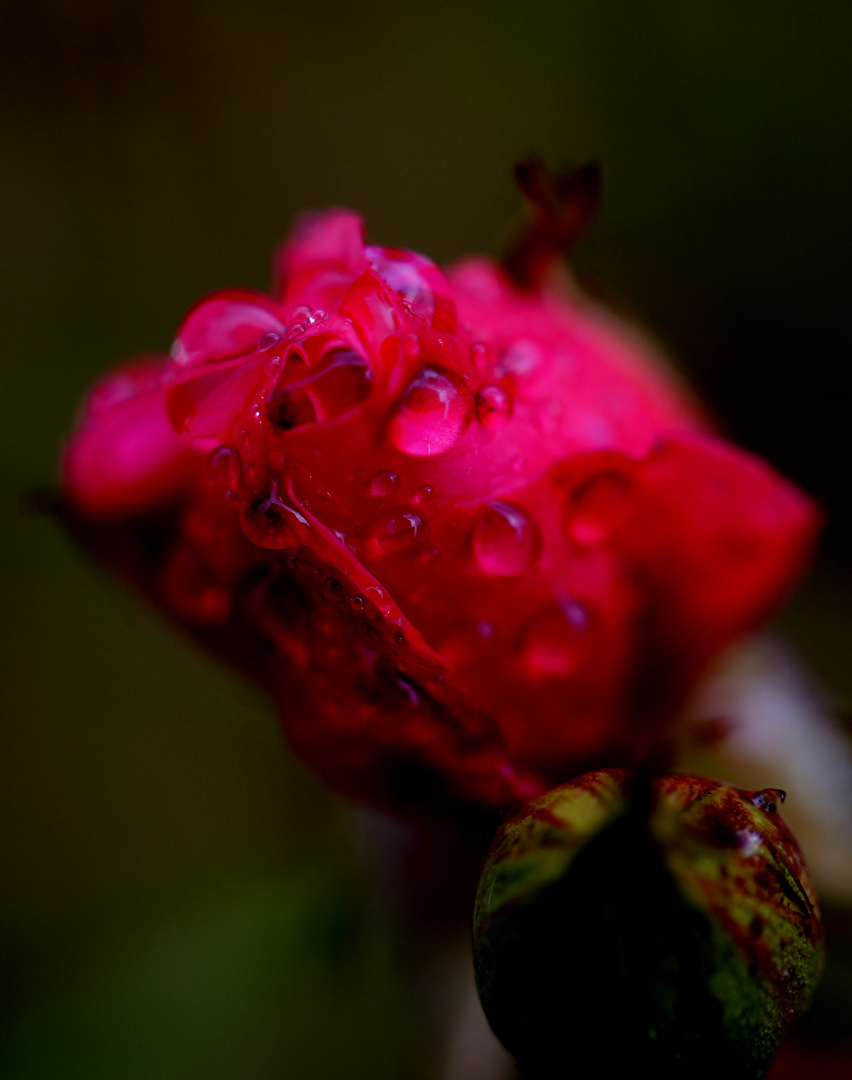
(472, 536)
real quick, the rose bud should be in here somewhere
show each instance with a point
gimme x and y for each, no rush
(468, 529)
(623, 922)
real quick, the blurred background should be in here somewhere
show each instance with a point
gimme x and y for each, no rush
(180, 897)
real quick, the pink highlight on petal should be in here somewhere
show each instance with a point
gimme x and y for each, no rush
(126, 456)
(227, 324)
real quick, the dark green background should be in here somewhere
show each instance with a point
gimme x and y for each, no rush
(179, 897)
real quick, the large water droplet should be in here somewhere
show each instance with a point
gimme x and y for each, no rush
(557, 640)
(311, 395)
(506, 542)
(270, 520)
(493, 406)
(432, 415)
(592, 509)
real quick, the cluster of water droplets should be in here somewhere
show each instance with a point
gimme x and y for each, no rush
(302, 319)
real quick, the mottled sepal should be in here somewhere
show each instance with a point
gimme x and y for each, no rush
(625, 921)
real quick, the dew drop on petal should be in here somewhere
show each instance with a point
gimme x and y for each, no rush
(383, 483)
(225, 468)
(480, 353)
(423, 494)
(422, 286)
(506, 542)
(269, 521)
(332, 590)
(557, 640)
(520, 360)
(433, 414)
(493, 406)
(593, 507)
(272, 367)
(356, 603)
(398, 530)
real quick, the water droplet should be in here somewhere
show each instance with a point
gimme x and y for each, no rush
(423, 495)
(376, 594)
(768, 798)
(398, 531)
(506, 542)
(520, 360)
(557, 640)
(421, 285)
(270, 520)
(411, 345)
(433, 414)
(356, 603)
(592, 509)
(493, 406)
(272, 367)
(224, 467)
(332, 590)
(383, 484)
(301, 314)
(480, 353)
(268, 340)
